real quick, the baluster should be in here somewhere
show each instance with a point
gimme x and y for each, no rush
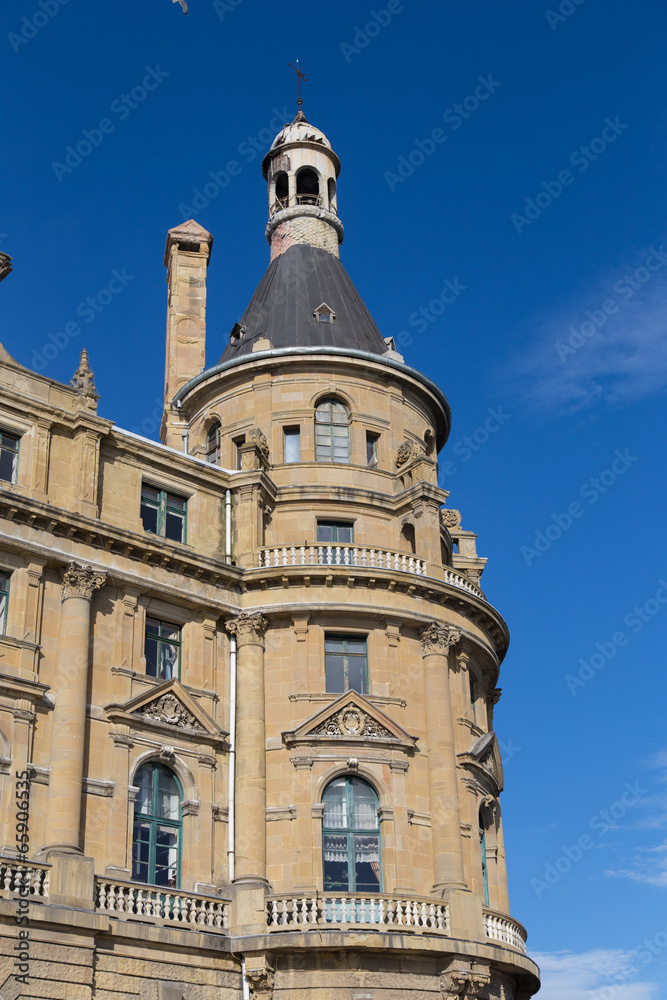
(373, 555)
(410, 564)
(273, 917)
(346, 555)
(225, 915)
(423, 916)
(355, 557)
(302, 555)
(283, 556)
(399, 911)
(339, 556)
(381, 910)
(311, 555)
(101, 901)
(293, 556)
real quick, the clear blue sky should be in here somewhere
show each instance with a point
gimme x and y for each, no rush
(573, 119)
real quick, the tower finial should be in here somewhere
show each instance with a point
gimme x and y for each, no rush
(299, 78)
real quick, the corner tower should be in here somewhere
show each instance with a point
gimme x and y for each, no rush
(365, 851)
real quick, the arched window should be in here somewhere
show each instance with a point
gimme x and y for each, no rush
(485, 868)
(331, 190)
(351, 837)
(307, 187)
(332, 431)
(282, 189)
(213, 445)
(156, 840)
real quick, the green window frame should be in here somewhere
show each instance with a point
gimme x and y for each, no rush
(346, 663)
(331, 534)
(164, 513)
(10, 445)
(162, 649)
(213, 444)
(4, 600)
(332, 432)
(351, 848)
(485, 867)
(157, 828)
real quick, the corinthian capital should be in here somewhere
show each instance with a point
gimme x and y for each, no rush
(81, 581)
(248, 628)
(437, 638)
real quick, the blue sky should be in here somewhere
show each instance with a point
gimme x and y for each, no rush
(543, 202)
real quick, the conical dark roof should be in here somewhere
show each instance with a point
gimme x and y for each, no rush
(295, 284)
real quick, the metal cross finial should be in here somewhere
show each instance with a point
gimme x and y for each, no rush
(299, 78)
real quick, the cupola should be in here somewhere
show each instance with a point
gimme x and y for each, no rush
(301, 169)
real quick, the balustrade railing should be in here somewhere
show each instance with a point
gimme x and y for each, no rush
(455, 579)
(358, 910)
(500, 928)
(15, 877)
(169, 904)
(341, 555)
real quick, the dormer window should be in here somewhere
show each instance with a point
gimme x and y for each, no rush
(324, 314)
(237, 333)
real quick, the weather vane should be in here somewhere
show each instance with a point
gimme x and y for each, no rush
(299, 78)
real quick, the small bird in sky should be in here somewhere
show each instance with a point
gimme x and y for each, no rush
(183, 4)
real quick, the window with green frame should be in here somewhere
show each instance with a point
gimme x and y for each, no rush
(162, 649)
(9, 456)
(156, 838)
(332, 431)
(345, 664)
(485, 867)
(351, 837)
(164, 513)
(331, 534)
(4, 601)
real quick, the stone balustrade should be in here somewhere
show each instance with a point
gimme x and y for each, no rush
(15, 876)
(187, 908)
(341, 555)
(356, 910)
(455, 579)
(501, 928)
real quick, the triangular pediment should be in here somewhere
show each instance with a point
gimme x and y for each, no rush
(485, 753)
(351, 719)
(171, 705)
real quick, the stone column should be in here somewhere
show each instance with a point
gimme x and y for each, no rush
(445, 811)
(69, 715)
(250, 840)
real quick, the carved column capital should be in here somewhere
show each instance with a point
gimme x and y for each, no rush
(81, 581)
(248, 629)
(261, 982)
(438, 638)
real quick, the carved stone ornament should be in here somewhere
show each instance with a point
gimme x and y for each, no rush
(450, 518)
(437, 638)
(352, 721)
(256, 437)
(477, 982)
(248, 628)
(169, 709)
(261, 982)
(83, 380)
(407, 451)
(452, 984)
(81, 581)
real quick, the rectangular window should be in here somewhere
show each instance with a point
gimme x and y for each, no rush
(292, 444)
(238, 444)
(4, 601)
(162, 649)
(330, 536)
(164, 513)
(9, 456)
(345, 664)
(372, 449)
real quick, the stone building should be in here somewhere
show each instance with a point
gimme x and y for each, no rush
(248, 673)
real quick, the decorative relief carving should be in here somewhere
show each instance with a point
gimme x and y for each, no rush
(409, 451)
(168, 709)
(256, 437)
(248, 628)
(352, 721)
(81, 581)
(464, 983)
(437, 638)
(261, 982)
(450, 518)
